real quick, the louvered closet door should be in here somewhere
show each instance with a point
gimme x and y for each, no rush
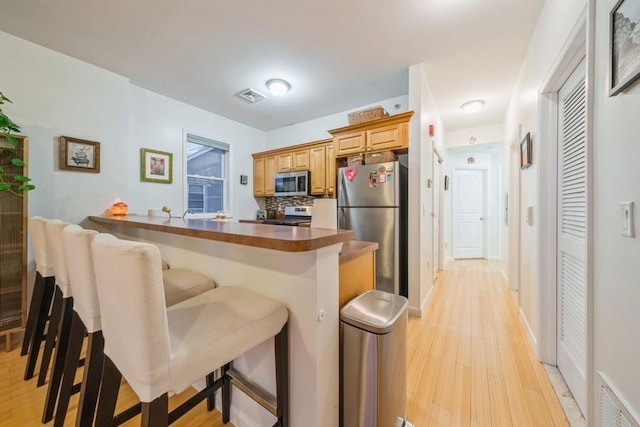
(572, 234)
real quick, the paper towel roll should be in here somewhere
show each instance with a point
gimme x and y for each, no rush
(325, 214)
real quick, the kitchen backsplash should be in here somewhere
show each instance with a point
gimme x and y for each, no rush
(278, 204)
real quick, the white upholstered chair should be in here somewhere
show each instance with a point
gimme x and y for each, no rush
(179, 284)
(41, 297)
(160, 350)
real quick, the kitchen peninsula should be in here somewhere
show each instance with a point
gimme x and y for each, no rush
(295, 265)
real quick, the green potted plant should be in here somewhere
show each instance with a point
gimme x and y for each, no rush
(20, 183)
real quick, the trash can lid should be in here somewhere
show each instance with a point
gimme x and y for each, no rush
(374, 311)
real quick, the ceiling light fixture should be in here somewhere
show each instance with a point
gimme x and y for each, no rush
(472, 107)
(278, 87)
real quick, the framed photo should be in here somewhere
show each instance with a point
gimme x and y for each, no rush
(156, 166)
(79, 155)
(525, 151)
(624, 56)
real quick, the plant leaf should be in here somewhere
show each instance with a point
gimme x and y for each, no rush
(26, 187)
(4, 186)
(22, 178)
(17, 162)
(1, 169)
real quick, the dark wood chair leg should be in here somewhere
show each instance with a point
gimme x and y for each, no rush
(111, 377)
(156, 412)
(91, 380)
(34, 310)
(62, 343)
(76, 338)
(226, 394)
(42, 316)
(281, 344)
(52, 333)
(211, 400)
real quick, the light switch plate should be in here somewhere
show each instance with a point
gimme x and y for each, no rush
(626, 219)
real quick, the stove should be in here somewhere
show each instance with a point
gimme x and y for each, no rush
(293, 216)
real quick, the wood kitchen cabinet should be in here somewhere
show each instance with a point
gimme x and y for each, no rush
(284, 162)
(269, 175)
(300, 160)
(322, 169)
(317, 169)
(258, 177)
(387, 133)
(316, 157)
(357, 269)
(351, 143)
(330, 170)
(264, 170)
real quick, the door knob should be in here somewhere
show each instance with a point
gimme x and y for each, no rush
(481, 219)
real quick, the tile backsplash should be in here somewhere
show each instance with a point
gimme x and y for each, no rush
(277, 204)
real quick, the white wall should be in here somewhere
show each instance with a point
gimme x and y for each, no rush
(616, 150)
(158, 122)
(487, 157)
(420, 195)
(483, 135)
(556, 21)
(316, 129)
(55, 95)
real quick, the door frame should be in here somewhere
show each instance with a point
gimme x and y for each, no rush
(572, 53)
(513, 215)
(485, 237)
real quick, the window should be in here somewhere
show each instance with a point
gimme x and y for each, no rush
(206, 174)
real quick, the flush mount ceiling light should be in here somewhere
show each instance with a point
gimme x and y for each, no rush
(278, 87)
(472, 107)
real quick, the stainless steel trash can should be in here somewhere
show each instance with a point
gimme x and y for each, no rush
(373, 363)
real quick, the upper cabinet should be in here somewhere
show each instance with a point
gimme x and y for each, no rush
(264, 169)
(387, 133)
(300, 160)
(316, 157)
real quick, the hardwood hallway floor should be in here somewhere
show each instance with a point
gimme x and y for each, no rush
(470, 362)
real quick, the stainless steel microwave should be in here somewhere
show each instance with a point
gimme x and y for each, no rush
(292, 184)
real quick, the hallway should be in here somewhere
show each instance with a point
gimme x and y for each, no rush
(470, 362)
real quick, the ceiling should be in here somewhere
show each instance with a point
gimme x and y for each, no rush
(337, 54)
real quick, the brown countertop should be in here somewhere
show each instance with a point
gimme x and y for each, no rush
(288, 239)
(355, 248)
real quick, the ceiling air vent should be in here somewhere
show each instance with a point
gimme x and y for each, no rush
(251, 95)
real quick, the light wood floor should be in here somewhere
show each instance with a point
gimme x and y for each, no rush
(469, 364)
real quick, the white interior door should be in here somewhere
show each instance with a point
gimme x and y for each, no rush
(468, 214)
(572, 234)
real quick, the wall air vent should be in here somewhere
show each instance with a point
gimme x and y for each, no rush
(250, 95)
(613, 412)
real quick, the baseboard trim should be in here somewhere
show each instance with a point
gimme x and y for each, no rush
(417, 312)
(532, 337)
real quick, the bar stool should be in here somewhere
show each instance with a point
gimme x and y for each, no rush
(179, 285)
(160, 350)
(60, 322)
(40, 305)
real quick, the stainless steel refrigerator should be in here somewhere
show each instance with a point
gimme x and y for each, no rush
(372, 201)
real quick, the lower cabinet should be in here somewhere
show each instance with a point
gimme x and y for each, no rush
(357, 274)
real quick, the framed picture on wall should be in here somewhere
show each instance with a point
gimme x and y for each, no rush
(79, 155)
(156, 166)
(525, 151)
(624, 55)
